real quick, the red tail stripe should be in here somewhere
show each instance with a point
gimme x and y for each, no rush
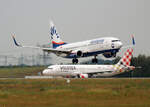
(57, 43)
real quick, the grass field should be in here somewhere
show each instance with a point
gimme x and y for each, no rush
(20, 72)
(79, 93)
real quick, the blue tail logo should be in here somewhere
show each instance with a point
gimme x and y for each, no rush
(133, 41)
(53, 32)
(56, 41)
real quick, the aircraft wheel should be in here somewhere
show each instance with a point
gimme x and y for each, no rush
(114, 55)
(74, 61)
(95, 60)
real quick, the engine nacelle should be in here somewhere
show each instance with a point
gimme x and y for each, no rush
(83, 76)
(109, 54)
(79, 53)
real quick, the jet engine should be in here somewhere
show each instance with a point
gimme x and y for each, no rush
(79, 53)
(109, 54)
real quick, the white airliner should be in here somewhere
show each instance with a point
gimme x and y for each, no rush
(87, 71)
(108, 46)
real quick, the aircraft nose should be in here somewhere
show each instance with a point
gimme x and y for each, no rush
(120, 44)
(44, 72)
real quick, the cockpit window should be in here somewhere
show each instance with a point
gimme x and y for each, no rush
(115, 40)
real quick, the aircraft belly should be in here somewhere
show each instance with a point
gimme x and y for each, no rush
(89, 70)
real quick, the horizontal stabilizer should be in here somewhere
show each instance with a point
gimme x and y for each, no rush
(49, 50)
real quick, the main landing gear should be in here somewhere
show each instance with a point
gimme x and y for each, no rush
(95, 60)
(74, 60)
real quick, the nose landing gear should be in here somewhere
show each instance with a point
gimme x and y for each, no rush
(95, 60)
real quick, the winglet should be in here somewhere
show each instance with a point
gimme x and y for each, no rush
(13, 36)
(133, 41)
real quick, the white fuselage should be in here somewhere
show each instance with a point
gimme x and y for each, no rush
(86, 71)
(74, 70)
(92, 47)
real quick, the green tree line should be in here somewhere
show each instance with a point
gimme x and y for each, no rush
(144, 62)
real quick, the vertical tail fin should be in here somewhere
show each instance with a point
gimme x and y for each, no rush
(133, 41)
(56, 41)
(125, 61)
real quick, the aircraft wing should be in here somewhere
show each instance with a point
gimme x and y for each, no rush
(95, 72)
(56, 51)
(100, 72)
(49, 50)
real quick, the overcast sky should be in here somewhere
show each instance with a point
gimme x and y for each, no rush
(76, 20)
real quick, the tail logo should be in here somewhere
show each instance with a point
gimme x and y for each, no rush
(127, 57)
(125, 61)
(55, 37)
(53, 32)
(133, 41)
